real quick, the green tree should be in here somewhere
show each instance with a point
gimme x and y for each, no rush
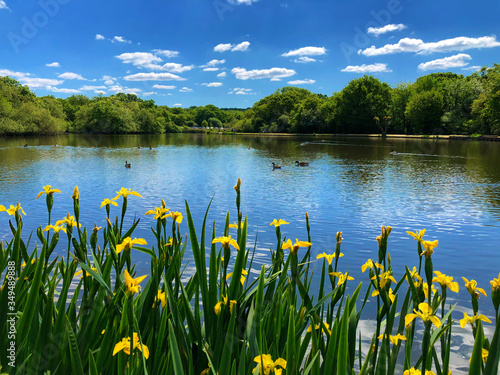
(424, 111)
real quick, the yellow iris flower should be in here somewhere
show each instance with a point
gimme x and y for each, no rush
(392, 296)
(294, 248)
(269, 365)
(159, 212)
(162, 297)
(472, 319)
(76, 193)
(329, 257)
(317, 326)
(429, 248)
(125, 193)
(108, 202)
(473, 289)
(242, 278)
(176, 216)
(128, 243)
(279, 222)
(384, 278)
(369, 264)
(393, 339)
(224, 301)
(425, 314)
(226, 241)
(343, 277)
(69, 220)
(446, 281)
(414, 371)
(86, 272)
(238, 185)
(417, 235)
(125, 346)
(13, 209)
(133, 284)
(495, 284)
(47, 190)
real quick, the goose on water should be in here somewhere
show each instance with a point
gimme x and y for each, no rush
(127, 165)
(276, 166)
(302, 163)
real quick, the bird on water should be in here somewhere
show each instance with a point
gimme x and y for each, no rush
(127, 165)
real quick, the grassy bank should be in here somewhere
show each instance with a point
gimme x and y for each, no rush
(90, 312)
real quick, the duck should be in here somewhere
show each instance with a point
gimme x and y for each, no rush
(26, 145)
(394, 152)
(276, 166)
(127, 165)
(302, 163)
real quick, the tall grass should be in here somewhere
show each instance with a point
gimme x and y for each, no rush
(89, 312)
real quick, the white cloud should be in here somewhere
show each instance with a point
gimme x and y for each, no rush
(302, 82)
(223, 47)
(210, 69)
(306, 51)
(125, 90)
(100, 92)
(185, 89)
(69, 75)
(241, 47)
(99, 37)
(177, 105)
(120, 39)
(64, 91)
(461, 43)
(372, 68)
(385, 29)
(53, 65)
(163, 87)
(275, 74)
(108, 80)
(212, 84)
(150, 93)
(92, 88)
(153, 77)
(222, 74)
(241, 91)
(31, 82)
(304, 59)
(474, 68)
(142, 59)
(174, 67)
(214, 62)
(457, 61)
(239, 2)
(150, 61)
(3, 5)
(166, 53)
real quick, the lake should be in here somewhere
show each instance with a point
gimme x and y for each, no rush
(353, 185)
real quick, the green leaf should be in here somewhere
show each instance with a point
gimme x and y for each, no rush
(76, 361)
(174, 351)
(476, 359)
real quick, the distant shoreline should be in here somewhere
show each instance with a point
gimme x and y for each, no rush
(494, 138)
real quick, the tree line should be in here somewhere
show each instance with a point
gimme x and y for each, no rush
(437, 103)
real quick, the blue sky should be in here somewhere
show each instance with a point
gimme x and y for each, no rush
(232, 53)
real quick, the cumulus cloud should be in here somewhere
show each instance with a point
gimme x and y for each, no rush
(150, 93)
(385, 29)
(302, 82)
(166, 53)
(304, 60)
(108, 80)
(274, 74)
(211, 65)
(150, 61)
(153, 77)
(461, 43)
(474, 68)
(372, 68)
(163, 87)
(222, 74)
(177, 105)
(92, 88)
(31, 82)
(99, 37)
(185, 89)
(53, 65)
(306, 51)
(239, 2)
(120, 39)
(125, 90)
(3, 5)
(457, 61)
(210, 69)
(241, 91)
(69, 75)
(223, 47)
(212, 84)
(62, 90)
